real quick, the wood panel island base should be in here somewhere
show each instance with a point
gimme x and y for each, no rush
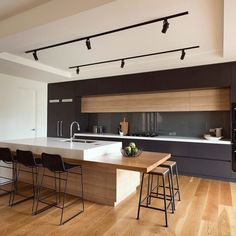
(108, 176)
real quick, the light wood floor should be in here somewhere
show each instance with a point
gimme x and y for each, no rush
(208, 207)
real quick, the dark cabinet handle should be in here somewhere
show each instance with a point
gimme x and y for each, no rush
(58, 124)
(61, 129)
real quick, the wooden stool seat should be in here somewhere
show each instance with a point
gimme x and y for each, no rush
(169, 163)
(159, 171)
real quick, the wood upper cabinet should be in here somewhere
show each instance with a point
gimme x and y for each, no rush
(189, 100)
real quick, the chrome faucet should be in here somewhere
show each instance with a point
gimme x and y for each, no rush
(71, 128)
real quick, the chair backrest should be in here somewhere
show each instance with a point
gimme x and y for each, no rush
(25, 157)
(5, 155)
(53, 162)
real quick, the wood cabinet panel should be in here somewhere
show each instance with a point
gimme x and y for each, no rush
(196, 100)
(210, 100)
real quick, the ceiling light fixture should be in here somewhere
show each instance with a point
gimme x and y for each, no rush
(87, 38)
(77, 70)
(165, 27)
(122, 60)
(122, 65)
(88, 44)
(35, 56)
(182, 55)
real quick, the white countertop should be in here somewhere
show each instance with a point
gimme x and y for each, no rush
(67, 149)
(158, 138)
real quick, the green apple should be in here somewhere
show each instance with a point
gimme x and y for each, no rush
(132, 145)
(128, 150)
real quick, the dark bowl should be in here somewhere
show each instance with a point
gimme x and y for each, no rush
(131, 155)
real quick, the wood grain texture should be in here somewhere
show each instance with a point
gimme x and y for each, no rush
(189, 100)
(101, 220)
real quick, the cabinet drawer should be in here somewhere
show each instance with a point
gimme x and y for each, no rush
(201, 167)
(210, 151)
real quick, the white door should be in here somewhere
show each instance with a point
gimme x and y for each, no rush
(17, 117)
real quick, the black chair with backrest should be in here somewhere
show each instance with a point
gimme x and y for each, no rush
(8, 162)
(26, 163)
(61, 170)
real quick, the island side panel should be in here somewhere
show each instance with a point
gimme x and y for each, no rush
(126, 183)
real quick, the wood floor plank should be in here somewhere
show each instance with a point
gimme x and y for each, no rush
(195, 210)
(225, 194)
(207, 208)
(213, 196)
(233, 193)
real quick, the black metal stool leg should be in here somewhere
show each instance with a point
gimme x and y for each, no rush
(63, 200)
(172, 196)
(158, 185)
(177, 181)
(13, 183)
(148, 190)
(172, 185)
(164, 194)
(39, 192)
(82, 188)
(55, 186)
(151, 188)
(140, 196)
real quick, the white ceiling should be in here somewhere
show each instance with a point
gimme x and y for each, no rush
(208, 25)
(10, 8)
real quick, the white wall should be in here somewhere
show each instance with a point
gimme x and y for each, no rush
(9, 83)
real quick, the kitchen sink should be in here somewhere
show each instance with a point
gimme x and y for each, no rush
(78, 141)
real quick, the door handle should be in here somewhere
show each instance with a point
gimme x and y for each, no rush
(58, 124)
(61, 129)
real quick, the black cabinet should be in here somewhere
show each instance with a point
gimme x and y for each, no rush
(60, 116)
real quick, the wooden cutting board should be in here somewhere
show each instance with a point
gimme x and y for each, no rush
(124, 125)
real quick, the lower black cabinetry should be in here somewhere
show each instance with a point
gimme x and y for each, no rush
(194, 159)
(203, 167)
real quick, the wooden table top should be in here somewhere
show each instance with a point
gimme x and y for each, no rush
(145, 162)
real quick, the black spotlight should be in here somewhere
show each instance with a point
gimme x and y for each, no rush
(122, 65)
(77, 70)
(35, 55)
(88, 44)
(183, 55)
(165, 27)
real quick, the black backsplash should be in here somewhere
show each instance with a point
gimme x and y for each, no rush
(187, 124)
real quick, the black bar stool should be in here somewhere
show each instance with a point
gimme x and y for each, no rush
(164, 173)
(31, 166)
(60, 170)
(7, 158)
(172, 165)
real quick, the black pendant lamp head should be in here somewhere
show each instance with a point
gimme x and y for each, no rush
(182, 55)
(122, 65)
(165, 27)
(35, 55)
(88, 44)
(77, 70)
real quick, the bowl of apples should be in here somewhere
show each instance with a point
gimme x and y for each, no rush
(131, 150)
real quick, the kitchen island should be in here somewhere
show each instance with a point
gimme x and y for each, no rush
(108, 176)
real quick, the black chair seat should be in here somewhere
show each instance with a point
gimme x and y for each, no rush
(69, 166)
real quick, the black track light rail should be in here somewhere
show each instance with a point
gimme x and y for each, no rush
(133, 57)
(109, 32)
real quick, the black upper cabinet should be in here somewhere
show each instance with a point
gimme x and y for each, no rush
(217, 75)
(61, 90)
(60, 116)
